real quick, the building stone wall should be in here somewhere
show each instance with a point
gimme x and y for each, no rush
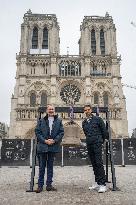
(44, 76)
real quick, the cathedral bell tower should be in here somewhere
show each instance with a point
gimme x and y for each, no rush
(39, 34)
(36, 71)
(102, 69)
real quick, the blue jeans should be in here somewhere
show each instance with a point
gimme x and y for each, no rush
(45, 160)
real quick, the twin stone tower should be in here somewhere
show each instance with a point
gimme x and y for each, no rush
(44, 76)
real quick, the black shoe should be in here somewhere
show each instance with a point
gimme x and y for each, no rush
(39, 189)
(50, 188)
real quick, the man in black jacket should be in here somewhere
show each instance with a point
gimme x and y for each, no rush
(49, 132)
(95, 132)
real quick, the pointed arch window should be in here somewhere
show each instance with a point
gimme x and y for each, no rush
(69, 68)
(93, 42)
(96, 98)
(45, 39)
(43, 99)
(32, 100)
(102, 42)
(35, 38)
(105, 99)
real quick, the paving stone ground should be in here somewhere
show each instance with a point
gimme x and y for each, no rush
(72, 183)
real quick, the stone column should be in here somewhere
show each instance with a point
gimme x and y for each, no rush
(81, 43)
(113, 42)
(40, 39)
(107, 42)
(87, 44)
(24, 38)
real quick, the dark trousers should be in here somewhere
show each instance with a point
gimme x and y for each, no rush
(45, 160)
(95, 155)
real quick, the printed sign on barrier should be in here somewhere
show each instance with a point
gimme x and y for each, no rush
(15, 152)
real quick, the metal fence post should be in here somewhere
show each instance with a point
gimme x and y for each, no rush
(122, 148)
(62, 156)
(107, 157)
(32, 141)
(111, 155)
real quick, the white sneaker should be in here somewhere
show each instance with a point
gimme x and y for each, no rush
(102, 189)
(94, 187)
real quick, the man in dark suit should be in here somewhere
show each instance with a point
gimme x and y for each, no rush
(95, 132)
(49, 132)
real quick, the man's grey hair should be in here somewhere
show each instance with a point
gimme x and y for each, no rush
(50, 105)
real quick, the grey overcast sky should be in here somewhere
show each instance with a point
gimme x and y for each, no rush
(70, 14)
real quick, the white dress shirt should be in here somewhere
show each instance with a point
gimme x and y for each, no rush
(51, 119)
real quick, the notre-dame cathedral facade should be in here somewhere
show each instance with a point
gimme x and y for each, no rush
(44, 76)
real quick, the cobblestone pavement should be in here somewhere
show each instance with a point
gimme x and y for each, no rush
(72, 184)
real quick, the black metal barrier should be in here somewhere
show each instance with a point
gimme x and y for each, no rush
(75, 156)
(17, 152)
(129, 147)
(117, 152)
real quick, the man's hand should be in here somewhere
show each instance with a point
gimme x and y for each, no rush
(49, 141)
